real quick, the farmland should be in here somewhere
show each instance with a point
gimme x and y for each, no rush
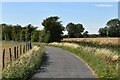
(100, 40)
(63, 37)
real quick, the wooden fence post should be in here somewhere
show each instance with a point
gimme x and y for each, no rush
(14, 53)
(3, 58)
(10, 55)
(20, 50)
(23, 48)
(26, 47)
(17, 51)
(30, 46)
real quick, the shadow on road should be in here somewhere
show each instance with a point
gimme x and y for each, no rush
(44, 64)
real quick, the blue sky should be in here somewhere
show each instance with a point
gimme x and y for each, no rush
(92, 15)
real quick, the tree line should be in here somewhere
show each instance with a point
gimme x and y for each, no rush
(19, 33)
(53, 31)
(112, 29)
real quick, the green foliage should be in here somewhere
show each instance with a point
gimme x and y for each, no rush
(52, 29)
(18, 33)
(74, 30)
(42, 36)
(29, 30)
(24, 67)
(35, 36)
(112, 29)
(103, 31)
(85, 34)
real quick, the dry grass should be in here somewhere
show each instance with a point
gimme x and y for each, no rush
(100, 52)
(6, 46)
(100, 40)
(102, 60)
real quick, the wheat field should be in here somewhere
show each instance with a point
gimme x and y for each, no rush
(100, 40)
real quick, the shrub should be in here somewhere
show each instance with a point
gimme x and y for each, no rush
(23, 68)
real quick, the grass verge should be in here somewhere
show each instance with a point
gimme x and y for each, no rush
(103, 70)
(24, 67)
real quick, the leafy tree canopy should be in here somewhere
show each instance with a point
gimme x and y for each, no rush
(112, 29)
(53, 29)
(74, 30)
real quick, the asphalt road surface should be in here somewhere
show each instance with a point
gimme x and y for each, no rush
(62, 64)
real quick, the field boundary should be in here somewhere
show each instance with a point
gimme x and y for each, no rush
(17, 52)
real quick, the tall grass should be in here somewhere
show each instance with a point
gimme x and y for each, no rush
(22, 68)
(110, 43)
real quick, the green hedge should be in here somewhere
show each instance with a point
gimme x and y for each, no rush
(24, 67)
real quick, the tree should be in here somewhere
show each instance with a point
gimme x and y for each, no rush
(52, 29)
(29, 31)
(103, 31)
(35, 36)
(79, 30)
(22, 34)
(85, 34)
(114, 27)
(71, 30)
(74, 30)
(17, 32)
(6, 32)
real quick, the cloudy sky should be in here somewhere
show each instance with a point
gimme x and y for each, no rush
(92, 15)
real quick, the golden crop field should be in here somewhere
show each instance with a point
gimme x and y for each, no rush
(100, 40)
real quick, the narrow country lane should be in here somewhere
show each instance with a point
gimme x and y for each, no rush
(62, 64)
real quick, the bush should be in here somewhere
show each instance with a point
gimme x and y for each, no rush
(24, 67)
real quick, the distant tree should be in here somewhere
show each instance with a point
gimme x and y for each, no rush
(74, 30)
(29, 31)
(42, 36)
(71, 30)
(85, 34)
(65, 36)
(17, 32)
(114, 27)
(103, 31)
(93, 35)
(22, 34)
(35, 36)
(6, 32)
(52, 29)
(79, 30)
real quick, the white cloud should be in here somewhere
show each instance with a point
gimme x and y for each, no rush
(104, 5)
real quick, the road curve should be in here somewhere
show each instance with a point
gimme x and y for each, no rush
(62, 64)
